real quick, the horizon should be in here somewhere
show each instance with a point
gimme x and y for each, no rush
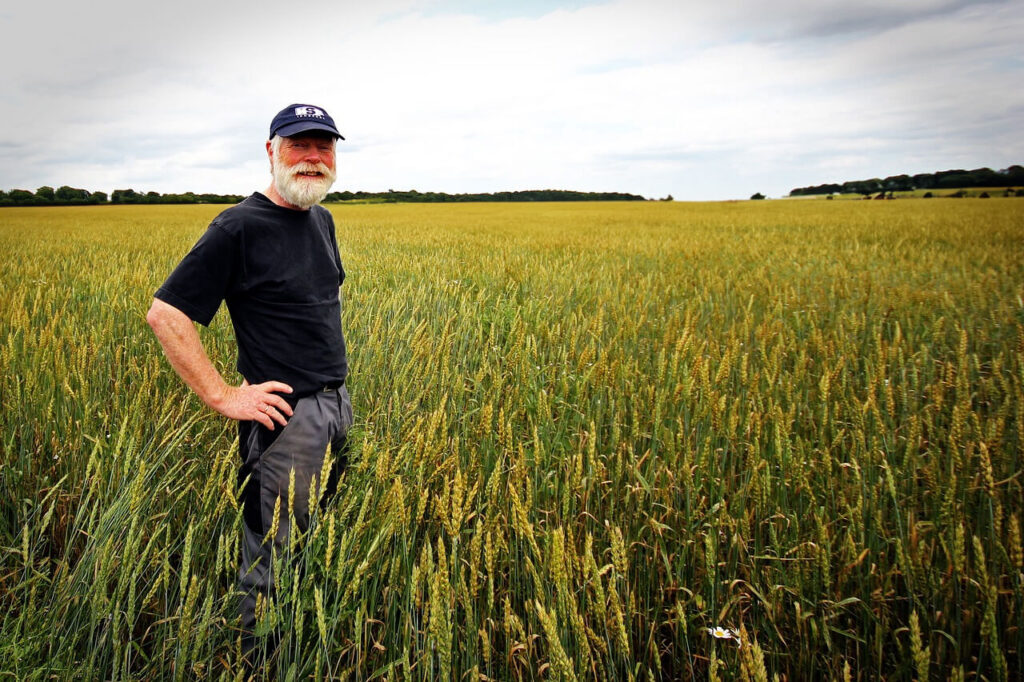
(792, 193)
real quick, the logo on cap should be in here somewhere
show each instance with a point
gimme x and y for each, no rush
(309, 111)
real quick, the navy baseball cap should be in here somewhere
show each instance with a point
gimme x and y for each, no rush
(301, 118)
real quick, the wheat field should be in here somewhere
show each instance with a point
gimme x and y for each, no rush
(586, 436)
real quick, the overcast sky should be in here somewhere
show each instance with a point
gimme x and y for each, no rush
(700, 100)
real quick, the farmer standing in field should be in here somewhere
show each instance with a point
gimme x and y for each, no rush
(274, 259)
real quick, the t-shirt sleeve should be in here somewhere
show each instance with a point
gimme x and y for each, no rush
(337, 255)
(204, 277)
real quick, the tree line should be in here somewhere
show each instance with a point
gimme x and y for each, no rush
(413, 196)
(47, 196)
(130, 196)
(947, 179)
(72, 196)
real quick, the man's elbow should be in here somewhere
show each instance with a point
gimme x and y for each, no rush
(153, 317)
(161, 315)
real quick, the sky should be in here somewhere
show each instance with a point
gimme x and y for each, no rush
(697, 100)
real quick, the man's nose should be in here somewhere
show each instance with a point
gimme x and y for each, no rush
(314, 155)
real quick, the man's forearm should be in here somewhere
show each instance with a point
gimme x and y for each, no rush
(180, 340)
(184, 349)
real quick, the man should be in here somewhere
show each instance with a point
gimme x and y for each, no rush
(274, 260)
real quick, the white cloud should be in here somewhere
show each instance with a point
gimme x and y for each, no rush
(708, 100)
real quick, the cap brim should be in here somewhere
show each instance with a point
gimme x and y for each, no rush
(304, 127)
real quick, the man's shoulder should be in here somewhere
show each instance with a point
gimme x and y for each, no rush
(234, 218)
(322, 214)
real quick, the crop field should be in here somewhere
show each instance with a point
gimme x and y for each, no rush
(586, 436)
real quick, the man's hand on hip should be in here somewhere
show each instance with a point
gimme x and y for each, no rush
(180, 341)
(258, 402)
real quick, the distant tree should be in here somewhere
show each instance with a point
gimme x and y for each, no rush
(72, 195)
(756, 196)
(923, 180)
(668, 197)
(986, 177)
(853, 187)
(898, 183)
(954, 179)
(21, 196)
(927, 195)
(983, 195)
(45, 193)
(124, 196)
(98, 197)
(830, 188)
(865, 187)
(1014, 175)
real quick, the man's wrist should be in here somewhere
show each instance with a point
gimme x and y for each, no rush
(217, 399)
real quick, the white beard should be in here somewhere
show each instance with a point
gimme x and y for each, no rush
(301, 190)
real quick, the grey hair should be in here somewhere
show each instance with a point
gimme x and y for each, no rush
(275, 143)
(275, 148)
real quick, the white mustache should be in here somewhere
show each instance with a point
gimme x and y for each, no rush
(320, 168)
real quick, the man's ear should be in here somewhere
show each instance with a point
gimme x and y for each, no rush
(270, 156)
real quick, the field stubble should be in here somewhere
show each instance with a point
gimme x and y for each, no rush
(586, 433)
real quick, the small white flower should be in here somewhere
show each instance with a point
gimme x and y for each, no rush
(718, 632)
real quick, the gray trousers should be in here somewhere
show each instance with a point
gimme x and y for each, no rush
(268, 458)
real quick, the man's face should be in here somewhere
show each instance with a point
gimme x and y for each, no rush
(303, 168)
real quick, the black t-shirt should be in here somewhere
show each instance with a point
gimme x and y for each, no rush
(279, 272)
